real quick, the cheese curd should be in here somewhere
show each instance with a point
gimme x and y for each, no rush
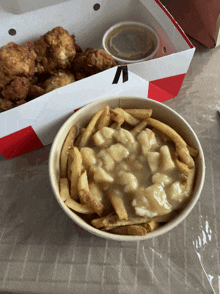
(140, 165)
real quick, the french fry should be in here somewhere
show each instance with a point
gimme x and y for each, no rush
(115, 197)
(83, 182)
(141, 114)
(167, 130)
(190, 180)
(182, 167)
(88, 199)
(181, 146)
(140, 127)
(76, 169)
(161, 135)
(75, 206)
(97, 192)
(152, 226)
(184, 155)
(104, 119)
(99, 223)
(65, 196)
(134, 230)
(68, 143)
(127, 117)
(115, 125)
(192, 151)
(118, 118)
(64, 189)
(114, 223)
(78, 139)
(69, 162)
(89, 130)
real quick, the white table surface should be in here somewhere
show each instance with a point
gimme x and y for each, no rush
(43, 251)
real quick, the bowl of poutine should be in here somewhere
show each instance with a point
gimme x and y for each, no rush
(126, 168)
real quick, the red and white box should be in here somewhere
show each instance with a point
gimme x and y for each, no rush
(35, 123)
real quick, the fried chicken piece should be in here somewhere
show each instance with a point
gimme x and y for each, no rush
(57, 80)
(55, 50)
(34, 92)
(80, 75)
(17, 89)
(5, 104)
(16, 60)
(92, 61)
(20, 102)
(78, 48)
(5, 75)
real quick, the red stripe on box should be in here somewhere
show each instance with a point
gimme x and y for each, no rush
(175, 23)
(19, 142)
(164, 89)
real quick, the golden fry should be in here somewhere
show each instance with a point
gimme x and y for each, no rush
(127, 117)
(84, 209)
(134, 230)
(167, 130)
(78, 139)
(152, 226)
(69, 163)
(114, 223)
(104, 119)
(181, 146)
(182, 167)
(88, 199)
(140, 127)
(192, 151)
(119, 119)
(83, 182)
(64, 189)
(76, 169)
(99, 223)
(68, 143)
(89, 130)
(65, 196)
(141, 114)
(115, 197)
(115, 125)
(190, 180)
(184, 155)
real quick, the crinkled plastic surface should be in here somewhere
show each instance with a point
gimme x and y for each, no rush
(43, 251)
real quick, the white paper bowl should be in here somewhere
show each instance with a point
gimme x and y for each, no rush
(149, 31)
(161, 112)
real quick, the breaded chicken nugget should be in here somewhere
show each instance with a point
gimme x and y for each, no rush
(17, 89)
(34, 92)
(78, 48)
(80, 75)
(57, 80)
(5, 104)
(55, 50)
(92, 61)
(16, 60)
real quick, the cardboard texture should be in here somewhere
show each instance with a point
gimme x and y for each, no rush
(198, 18)
(34, 124)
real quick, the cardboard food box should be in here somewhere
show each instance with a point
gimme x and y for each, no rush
(35, 123)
